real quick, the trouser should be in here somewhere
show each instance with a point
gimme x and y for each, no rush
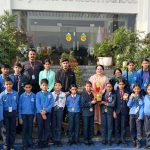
(3, 131)
(147, 129)
(88, 127)
(43, 128)
(74, 126)
(27, 129)
(107, 126)
(57, 118)
(135, 128)
(10, 126)
(143, 92)
(120, 126)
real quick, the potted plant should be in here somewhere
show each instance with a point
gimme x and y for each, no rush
(104, 52)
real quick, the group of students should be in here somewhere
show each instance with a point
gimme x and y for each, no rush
(128, 95)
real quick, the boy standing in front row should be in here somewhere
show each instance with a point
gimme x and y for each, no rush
(10, 102)
(73, 107)
(57, 112)
(44, 104)
(27, 114)
(87, 106)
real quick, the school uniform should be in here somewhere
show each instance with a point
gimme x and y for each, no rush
(27, 112)
(107, 116)
(143, 79)
(73, 108)
(131, 77)
(147, 118)
(44, 101)
(18, 82)
(122, 112)
(10, 106)
(2, 88)
(88, 116)
(57, 115)
(136, 116)
(1, 114)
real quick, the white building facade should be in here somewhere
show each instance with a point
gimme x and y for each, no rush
(48, 22)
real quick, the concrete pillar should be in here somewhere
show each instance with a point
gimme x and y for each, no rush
(143, 16)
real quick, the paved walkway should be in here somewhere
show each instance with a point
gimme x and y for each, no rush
(96, 146)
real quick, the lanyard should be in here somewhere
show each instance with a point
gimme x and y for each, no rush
(131, 76)
(121, 94)
(73, 100)
(145, 76)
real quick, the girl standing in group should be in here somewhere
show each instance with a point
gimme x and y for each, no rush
(143, 76)
(147, 117)
(121, 111)
(107, 106)
(48, 74)
(135, 104)
(130, 75)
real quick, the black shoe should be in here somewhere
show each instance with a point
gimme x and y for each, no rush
(86, 142)
(40, 146)
(138, 144)
(147, 147)
(24, 147)
(104, 142)
(118, 142)
(77, 143)
(134, 143)
(123, 142)
(90, 142)
(59, 144)
(31, 146)
(70, 143)
(109, 143)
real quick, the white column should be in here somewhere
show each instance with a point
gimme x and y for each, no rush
(5, 5)
(143, 16)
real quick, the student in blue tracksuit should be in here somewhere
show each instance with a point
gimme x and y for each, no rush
(136, 112)
(18, 78)
(27, 112)
(87, 106)
(73, 108)
(1, 114)
(107, 108)
(121, 111)
(10, 104)
(147, 117)
(44, 104)
(130, 74)
(5, 73)
(143, 76)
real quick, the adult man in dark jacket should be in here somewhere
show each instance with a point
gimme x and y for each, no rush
(65, 75)
(31, 69)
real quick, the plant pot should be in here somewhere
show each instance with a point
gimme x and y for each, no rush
(107, 61)
(100, 61)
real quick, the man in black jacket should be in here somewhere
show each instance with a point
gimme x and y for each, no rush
(66, 76)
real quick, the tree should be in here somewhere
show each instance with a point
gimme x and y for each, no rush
(10, 41)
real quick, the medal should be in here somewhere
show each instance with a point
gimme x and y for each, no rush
(91, 109)
(106, 110)
(145, 84)
(73, 109)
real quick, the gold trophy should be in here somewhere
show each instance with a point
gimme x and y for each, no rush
(97, 90)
